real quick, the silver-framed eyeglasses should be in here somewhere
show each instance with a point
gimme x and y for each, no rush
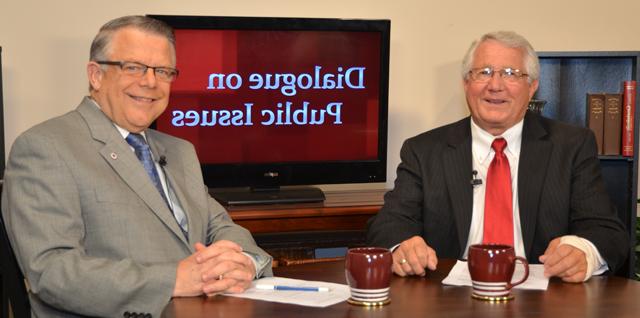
(136, 69)
(508, 74)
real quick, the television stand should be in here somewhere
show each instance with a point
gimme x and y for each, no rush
(254, 196)
(303, 232)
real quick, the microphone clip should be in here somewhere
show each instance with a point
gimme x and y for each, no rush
(475, 180)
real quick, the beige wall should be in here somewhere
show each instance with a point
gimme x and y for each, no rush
(45, 46)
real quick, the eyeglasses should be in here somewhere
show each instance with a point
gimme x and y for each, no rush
(136, 69)
(508, 74)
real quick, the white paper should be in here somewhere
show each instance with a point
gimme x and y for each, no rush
(337, 292)
(459, 276)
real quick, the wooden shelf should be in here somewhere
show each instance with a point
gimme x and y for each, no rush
(293, 233)
(342, 210)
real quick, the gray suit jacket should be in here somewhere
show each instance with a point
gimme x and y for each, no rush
(560, 191)
(92, 234)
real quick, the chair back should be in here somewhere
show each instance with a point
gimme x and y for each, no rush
(14, 291)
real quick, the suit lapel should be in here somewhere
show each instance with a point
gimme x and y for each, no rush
(457, 170)
(123, 161)
(534, 159)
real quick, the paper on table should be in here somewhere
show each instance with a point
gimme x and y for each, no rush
(459, 276)
(337, 292)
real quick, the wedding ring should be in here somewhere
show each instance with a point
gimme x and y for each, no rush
(403, 261)
(220, 277)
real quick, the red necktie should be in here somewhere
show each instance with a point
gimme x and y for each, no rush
(498, 217)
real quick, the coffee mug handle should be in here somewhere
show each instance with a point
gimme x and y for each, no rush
(526, 271)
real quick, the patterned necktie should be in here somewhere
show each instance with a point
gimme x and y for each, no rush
(498, 215)
(143, 152)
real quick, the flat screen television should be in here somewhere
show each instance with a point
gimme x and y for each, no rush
(276, 102)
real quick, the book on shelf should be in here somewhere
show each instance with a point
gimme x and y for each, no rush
(612, 124)
(628, 118)
(595, 117)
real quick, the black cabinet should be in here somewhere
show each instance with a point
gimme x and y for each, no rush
(565, 80)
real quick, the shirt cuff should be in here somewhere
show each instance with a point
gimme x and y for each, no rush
(258, 262)
(595, 263)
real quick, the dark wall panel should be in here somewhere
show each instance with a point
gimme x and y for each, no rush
(1, 122)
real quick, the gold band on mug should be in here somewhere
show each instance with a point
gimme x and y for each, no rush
(369, 303)
(493, 299)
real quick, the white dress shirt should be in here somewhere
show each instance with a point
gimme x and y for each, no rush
(482, 155)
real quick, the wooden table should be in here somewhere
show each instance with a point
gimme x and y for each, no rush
(427, 297)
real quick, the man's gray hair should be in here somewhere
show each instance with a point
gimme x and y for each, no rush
(509, 39)
(101, 43)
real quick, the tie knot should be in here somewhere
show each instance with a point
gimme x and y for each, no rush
(499, 144)
(136, 141)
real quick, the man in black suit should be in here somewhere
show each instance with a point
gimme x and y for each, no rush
(554, 204)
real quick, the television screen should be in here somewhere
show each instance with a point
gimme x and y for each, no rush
(269, 102)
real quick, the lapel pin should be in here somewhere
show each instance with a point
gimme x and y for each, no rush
(114, 155)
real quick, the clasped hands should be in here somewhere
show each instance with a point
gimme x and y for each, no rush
(217, 268)
(569, 263)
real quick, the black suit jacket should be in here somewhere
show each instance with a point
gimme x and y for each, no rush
(560, 192)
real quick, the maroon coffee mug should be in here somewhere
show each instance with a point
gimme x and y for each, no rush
(368, 272)
(491, 268)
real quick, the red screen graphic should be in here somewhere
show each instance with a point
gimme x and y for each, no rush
(247, 96)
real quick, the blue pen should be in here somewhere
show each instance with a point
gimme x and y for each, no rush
(292, 288)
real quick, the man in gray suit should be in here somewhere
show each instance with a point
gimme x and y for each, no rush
(109, 218)
(552, 206)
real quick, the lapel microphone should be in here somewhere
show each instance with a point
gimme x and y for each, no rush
(475, 181)
(162, 161)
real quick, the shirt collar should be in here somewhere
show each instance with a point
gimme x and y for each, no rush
(481, 140)
(121, 130)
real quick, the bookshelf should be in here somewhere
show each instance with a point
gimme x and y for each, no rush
(565, 80)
